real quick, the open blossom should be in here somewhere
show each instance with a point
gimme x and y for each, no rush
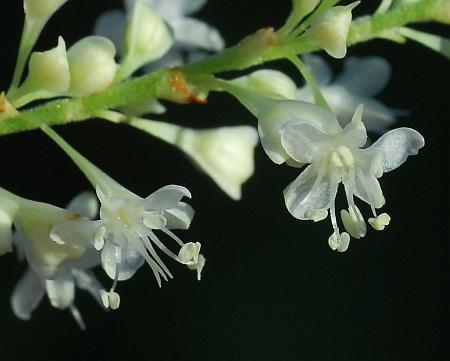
(126, 231)
(300, 133)
(192, 37)
(335, 155)
(53, 269)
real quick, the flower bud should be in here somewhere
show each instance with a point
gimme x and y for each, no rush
(225, 154)
(92, 66)
(41, 8)
(49, 70)
(147, 37)
(330, 30)
(270, 83)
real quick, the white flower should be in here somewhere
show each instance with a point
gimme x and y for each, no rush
(361, 79)
(53, 269)
(335, 155)
(191, 36)
(92, 66)
(126, 232)
(33, 222)
(330, 30)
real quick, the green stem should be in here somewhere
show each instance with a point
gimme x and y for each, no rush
(265, 45)
(303, 69)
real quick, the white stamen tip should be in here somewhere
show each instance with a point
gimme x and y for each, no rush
(317, 215)
(336, 160)
(189, 253)
(198, 266)
(105, 298)
(354, 223)
(339, 242)
(346, 155)
(110, 299)
(379, 223)
(99, 240)
(154, 220)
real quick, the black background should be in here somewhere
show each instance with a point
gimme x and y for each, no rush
(272, 289)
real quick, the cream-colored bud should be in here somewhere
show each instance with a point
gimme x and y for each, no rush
(270, 83)
(147, 37)
(49, 70)
(330, 30)
(92, 66)
(225, 154)
(41, 8)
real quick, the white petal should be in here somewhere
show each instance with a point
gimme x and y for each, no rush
(27, 295)
(367, 188)
(283, 111)
(354, 134)
(166, 197)
(319, 69)
(126, 259)
(309, 195)
(304, 142)
(197, 33)
(61, 290)
(111, 24)
(84, 204)
(365, 76)
(343, 103)
(396, 146)
(179, 217)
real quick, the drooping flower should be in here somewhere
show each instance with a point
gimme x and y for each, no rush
(53, 269)
(225, 153)
(300, 133)
(335, 155)
(192, 37)
(126, 233)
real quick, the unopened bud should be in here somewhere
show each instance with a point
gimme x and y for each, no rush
(92, 66)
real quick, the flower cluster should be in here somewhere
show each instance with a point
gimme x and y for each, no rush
(62, 246)
(319, 128)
